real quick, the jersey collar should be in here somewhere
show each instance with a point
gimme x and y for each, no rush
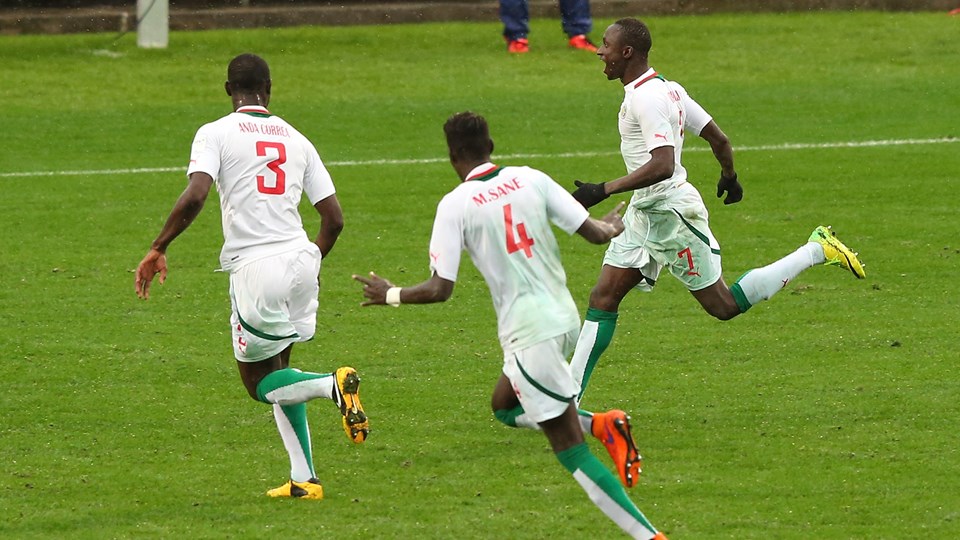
(254, 110)
(649, 74)
(483, 172)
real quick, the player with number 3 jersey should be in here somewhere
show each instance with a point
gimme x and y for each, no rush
(262, 167)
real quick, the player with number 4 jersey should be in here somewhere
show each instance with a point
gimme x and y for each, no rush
(502, 217)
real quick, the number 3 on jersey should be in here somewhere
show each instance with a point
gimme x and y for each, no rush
(519, 242)
(279, 180)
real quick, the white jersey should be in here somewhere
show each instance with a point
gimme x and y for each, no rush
(502, 217)
(261, 166)
(655, 112)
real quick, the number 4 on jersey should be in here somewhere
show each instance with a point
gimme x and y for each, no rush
(521, 241)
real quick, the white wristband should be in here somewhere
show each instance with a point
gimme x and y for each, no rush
(393, 296)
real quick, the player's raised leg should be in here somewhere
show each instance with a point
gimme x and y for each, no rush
(823, 247)
(347, 397)
(507, 409)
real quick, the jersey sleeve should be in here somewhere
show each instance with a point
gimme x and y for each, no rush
(205, 152)
(446, 241)
(317, 183)
(652, 112)
(697, 117)
(564, 211)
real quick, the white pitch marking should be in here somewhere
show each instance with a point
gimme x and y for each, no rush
(424, 161)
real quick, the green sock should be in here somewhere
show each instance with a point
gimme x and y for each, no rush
(516, 417)
(509, 416)
(605, 491)
(739, 296)
(291, 386)
(595, 337)
(296, 439)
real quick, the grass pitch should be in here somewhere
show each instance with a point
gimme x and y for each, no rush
(828, 412)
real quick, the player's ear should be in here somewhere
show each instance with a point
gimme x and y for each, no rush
(226, 88)
(627, 51)
(491, 146)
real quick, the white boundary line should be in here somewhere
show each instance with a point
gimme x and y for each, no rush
(424, 161)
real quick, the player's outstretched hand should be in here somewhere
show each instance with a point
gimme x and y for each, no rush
(589, 194)
(153, 263)
(614, 218)
(731, 186)
(374, 289)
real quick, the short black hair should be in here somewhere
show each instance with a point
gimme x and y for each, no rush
(468, 135)
(248, 73)
(635, 34)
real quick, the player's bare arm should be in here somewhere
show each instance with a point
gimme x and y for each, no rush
(601, 231)
(376, 289)
(185, 210)
(659, 168)
(331, 223)
(723, 152)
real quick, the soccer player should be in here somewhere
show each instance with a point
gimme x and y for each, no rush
(262, 166)
(501, 216)
(666, 221)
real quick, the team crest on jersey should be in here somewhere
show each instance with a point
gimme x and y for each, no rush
(623, 110)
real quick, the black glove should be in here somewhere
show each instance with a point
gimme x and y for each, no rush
(589, 194)
(731, 186)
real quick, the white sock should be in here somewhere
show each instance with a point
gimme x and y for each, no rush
(302, 391)
(586, 423)
(301, 468)
(760, 284)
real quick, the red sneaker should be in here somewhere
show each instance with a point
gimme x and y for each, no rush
(582, 42)
(518, 46)
(613, 430)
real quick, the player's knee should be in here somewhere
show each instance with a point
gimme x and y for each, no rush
(508, 417)
(602, 297)
(251, 391)
(723, 312)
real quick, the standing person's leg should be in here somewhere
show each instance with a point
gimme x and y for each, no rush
(575, 17)
(515, 16)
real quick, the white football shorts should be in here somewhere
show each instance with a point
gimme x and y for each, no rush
(274, 303)
(541, 377)
(673, 233)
